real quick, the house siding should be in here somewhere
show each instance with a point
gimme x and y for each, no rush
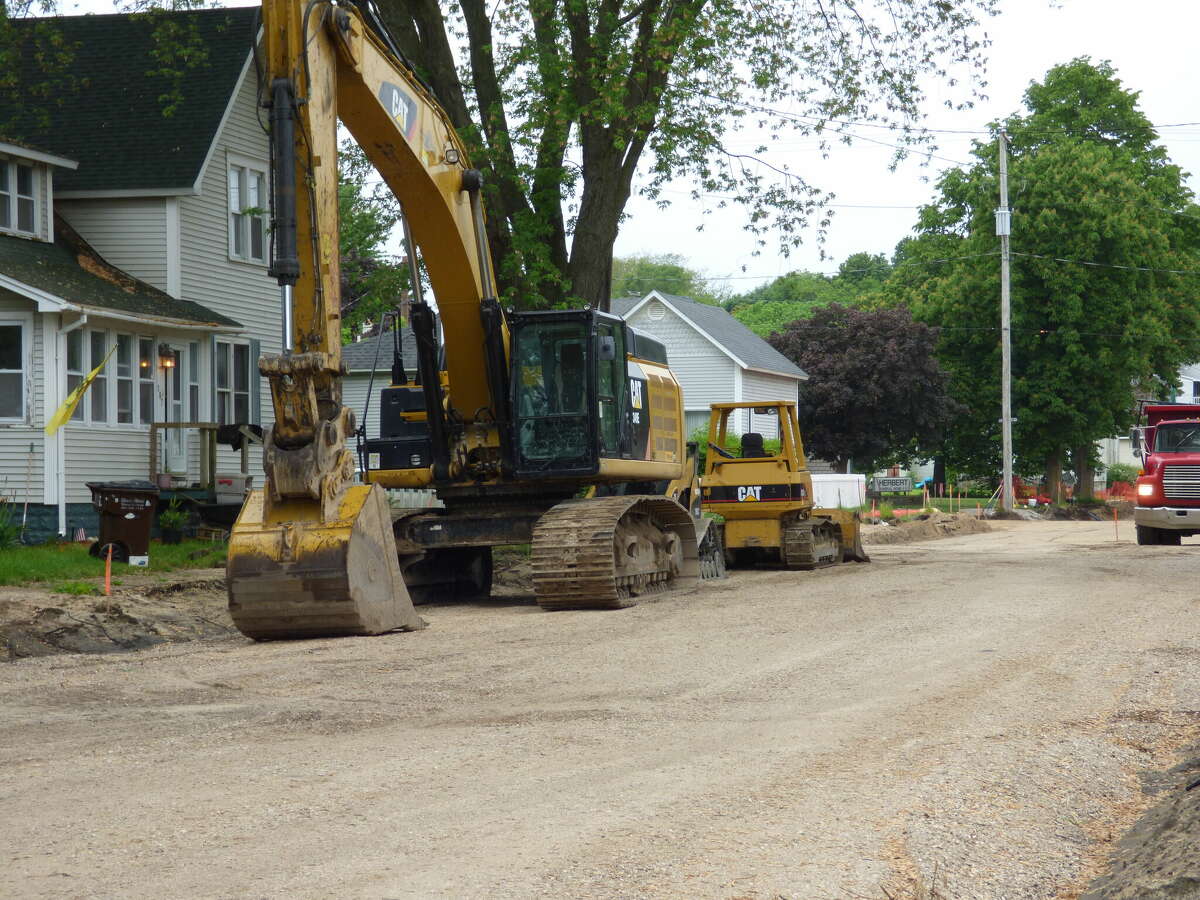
(242, 291)
(130, 233)
(705, 373)
(21, 469)
(761, 386)
(354, 395)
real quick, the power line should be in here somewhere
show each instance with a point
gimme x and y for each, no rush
(1100, 265)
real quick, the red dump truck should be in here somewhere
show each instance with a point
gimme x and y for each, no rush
(1168, 488)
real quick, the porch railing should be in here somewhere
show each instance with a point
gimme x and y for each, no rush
(208, 449)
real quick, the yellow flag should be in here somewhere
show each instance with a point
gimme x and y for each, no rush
(63, 413)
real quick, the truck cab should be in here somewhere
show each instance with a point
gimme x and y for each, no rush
(1168, 488)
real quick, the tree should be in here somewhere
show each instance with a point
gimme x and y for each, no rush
(570, 105)
(636, 276)
(372, 284)
(875, 393)
(770, 307)
(1103, 227)
(566, 103)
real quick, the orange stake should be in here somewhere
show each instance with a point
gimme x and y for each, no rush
(1116, 535)
(108, 573)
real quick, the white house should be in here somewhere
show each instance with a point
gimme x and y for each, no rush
(716, 358)
(141, 228)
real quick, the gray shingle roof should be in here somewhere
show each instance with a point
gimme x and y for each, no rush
(727, 331)
(360, 355)
(72, 271)
(109, 114)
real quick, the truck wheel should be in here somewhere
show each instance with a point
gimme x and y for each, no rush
(1147, 535)
(1171, 538)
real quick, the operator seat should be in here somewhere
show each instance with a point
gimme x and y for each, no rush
(752, 445)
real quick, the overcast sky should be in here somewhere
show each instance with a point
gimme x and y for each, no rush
(1151, 44)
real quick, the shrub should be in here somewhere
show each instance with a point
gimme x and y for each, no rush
(10, 529)
(1122, 472)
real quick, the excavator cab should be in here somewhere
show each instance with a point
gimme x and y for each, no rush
(569, 392)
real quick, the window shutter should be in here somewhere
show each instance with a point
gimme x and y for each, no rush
(212, 375)
(255, 383)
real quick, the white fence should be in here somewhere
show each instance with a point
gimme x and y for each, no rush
(835, 490)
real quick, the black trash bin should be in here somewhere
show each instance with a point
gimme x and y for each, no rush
(126, 513)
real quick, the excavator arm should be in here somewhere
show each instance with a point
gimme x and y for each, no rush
(298, 549)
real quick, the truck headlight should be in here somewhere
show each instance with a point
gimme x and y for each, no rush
(1146, 490)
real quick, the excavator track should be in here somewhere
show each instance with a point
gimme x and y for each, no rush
(606, 552)
(810, 544)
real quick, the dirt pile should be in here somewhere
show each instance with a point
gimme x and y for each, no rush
(35, 621)
(924, 528)
(1157, 858)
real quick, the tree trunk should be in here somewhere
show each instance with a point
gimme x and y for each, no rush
(1052, 484)
(1085, 475)
(590, 269)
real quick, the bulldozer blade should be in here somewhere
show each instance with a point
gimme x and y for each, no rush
(856, 553)
(290, 575)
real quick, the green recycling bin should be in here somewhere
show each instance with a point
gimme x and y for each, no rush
(126, 514)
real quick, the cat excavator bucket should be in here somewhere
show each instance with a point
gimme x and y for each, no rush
(293, 575)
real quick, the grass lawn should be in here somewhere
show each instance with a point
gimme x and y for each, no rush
(914, 501)
(70, 562)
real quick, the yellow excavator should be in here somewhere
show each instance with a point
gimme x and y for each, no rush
(765, 497)
(562, 429)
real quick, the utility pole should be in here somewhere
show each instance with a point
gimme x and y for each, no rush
(1003, 229)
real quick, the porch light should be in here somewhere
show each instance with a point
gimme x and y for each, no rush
(166, 357)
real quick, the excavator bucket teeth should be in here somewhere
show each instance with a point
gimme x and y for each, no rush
(606, 552)
(290, 575)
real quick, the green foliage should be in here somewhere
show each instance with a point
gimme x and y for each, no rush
(175, 516)
(372, 284)
(571, 104)
(773, 306)
(10, 528)
(76, 588)
(875, 395)
(1122, 472)
(636, 276)
(72, 562)
(1089, 184)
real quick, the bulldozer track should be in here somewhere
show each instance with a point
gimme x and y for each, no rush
(809, 544)
(575, 551)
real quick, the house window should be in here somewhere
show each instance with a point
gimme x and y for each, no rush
(98, 392)
(17, 205)
(124, 379)
(1196, 391)
(233, 383)
(75, 369)
(193, 379)
(146, 366)
(247, 212)
(12, 371)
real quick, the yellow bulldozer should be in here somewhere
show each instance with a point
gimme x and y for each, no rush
(766, 497)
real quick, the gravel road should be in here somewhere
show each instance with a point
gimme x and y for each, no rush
(964, 717)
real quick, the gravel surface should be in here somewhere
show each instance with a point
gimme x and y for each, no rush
(966, 717)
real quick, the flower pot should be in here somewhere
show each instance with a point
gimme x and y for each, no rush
(172, 535)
